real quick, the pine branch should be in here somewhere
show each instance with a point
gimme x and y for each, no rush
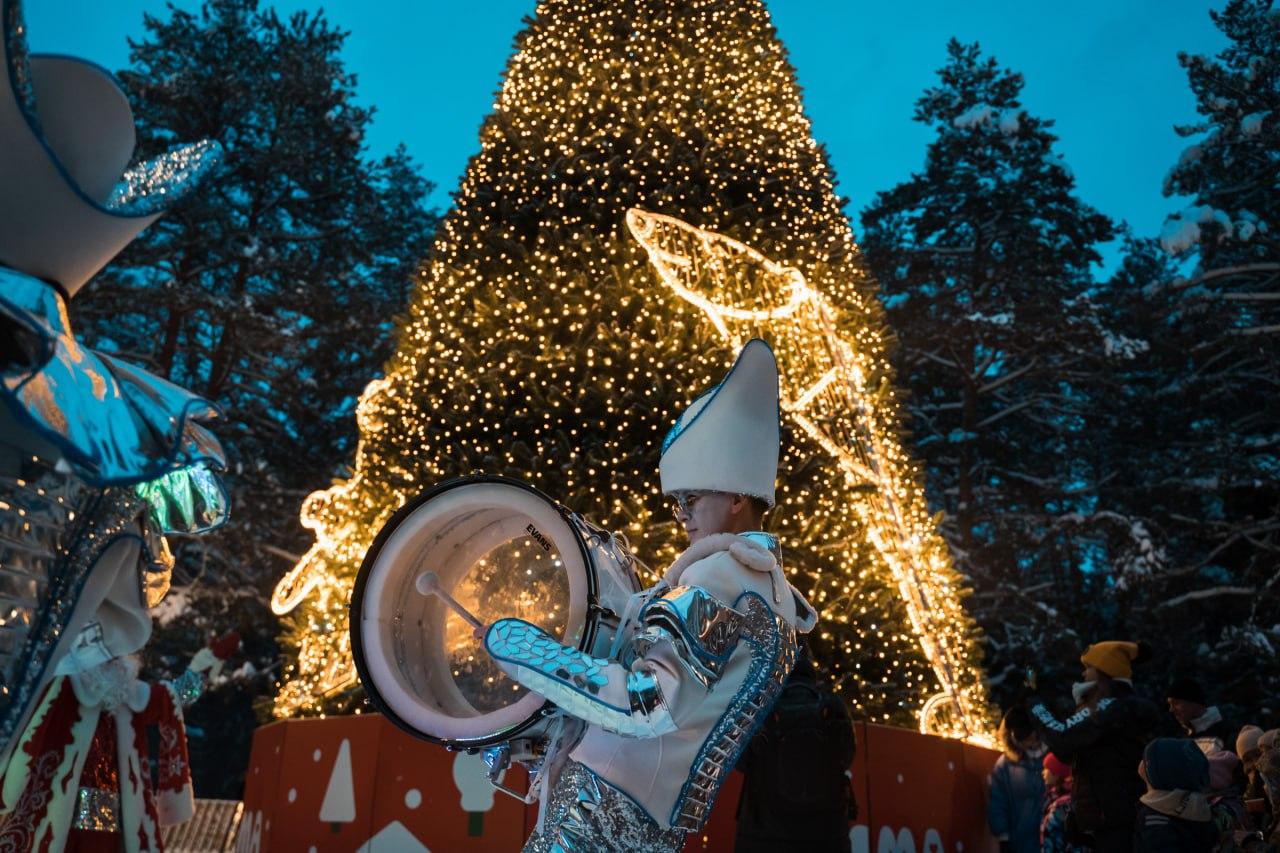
(1201, 594)
(1009, 377)
(287, 556)
(1004, 413)
(1210, 275)
(1249, 297)
(1256, 330)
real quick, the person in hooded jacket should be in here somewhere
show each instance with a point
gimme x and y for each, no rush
(1174, 815)
(1015, 788)
(1268, 769)
(1103, 742)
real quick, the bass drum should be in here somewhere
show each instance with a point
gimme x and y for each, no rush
(501, 548)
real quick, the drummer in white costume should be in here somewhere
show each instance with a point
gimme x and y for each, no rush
(667, 721)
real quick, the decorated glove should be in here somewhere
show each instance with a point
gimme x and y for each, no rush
(596, 690)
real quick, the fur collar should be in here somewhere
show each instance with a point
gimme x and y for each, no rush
(755, 557)
(1187, 805)
(1211, 716)
(111, 685)
(746, 552)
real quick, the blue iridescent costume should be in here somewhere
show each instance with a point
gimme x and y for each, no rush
(668, 719)
(98, 459)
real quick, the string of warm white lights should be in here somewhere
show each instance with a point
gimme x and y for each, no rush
(824, 389)
(538, 345)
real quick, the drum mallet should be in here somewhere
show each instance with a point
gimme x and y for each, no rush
(428, 583)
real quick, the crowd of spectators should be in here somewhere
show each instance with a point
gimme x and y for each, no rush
(1108, 778)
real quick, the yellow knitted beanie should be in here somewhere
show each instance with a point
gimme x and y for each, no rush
(1114, 657)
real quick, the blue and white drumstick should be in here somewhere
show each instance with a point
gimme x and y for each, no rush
(428, 583)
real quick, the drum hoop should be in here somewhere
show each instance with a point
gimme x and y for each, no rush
(589, 626)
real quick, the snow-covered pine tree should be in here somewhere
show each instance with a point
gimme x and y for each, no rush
(1202, 471)
(984, 261)
(1130, 445)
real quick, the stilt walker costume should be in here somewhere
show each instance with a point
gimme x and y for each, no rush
(98, 459)
(713, 642)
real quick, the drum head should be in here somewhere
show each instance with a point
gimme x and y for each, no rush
(499, 547)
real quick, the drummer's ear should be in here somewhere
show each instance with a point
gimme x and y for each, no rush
(754, 508)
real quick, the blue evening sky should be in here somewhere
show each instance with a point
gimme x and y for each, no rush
(1105, 70)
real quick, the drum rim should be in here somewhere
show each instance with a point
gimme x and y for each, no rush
(357, 601)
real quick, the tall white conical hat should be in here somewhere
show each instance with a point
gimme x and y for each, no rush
(727, 440)
(67, 202)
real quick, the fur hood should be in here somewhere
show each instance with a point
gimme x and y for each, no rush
(1008, 743)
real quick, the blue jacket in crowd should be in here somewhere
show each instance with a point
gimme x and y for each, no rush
(1015, 802)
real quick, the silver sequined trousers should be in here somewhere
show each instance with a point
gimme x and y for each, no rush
(585, 813)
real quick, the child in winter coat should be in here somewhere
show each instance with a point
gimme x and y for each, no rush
(1015, 789)
(1057, 807)
(1174, 815)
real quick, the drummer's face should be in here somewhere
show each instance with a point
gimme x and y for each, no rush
(705, 513)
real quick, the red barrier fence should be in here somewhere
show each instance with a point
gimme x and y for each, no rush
(360, 784)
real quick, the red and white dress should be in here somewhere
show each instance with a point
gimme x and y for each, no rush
(83, 778)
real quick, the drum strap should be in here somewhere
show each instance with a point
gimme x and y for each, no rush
(564, 734)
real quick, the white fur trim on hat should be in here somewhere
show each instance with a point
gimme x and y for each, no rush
(727, 440)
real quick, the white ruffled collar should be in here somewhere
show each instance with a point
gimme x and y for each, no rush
(111, 685)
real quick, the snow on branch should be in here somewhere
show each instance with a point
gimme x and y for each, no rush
(1257, 330)
(1238, 269)
(1182, 231)
(1008, 121)
(1200, 594)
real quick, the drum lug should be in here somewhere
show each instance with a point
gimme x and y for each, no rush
(498, 758)
(596, 607)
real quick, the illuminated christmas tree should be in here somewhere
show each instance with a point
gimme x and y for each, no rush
(559, 325)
